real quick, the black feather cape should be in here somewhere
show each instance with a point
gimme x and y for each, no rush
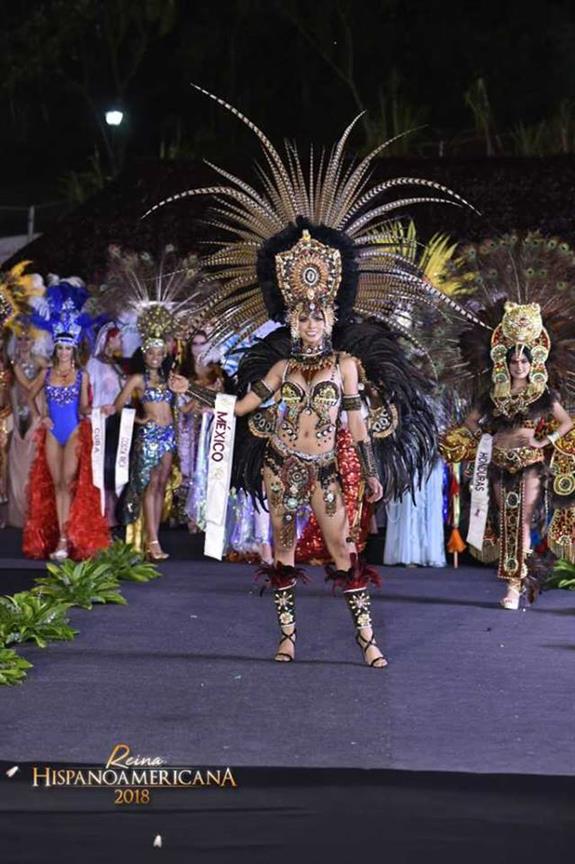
(404, 457)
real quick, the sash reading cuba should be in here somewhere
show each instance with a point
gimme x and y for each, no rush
(219, 474)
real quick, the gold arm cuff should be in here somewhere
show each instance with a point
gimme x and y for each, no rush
(458, 444)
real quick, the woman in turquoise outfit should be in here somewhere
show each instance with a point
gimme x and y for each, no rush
(154, 446)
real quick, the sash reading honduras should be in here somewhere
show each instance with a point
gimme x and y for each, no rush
(480, 493)
(219, 473)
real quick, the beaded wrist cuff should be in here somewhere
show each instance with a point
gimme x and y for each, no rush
(262, 390)
(366, 456)
(351, 403)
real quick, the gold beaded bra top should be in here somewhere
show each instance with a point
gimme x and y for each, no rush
(296, 400)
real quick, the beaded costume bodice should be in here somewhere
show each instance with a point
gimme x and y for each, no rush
(319, 399)
(159, 392)
(63, 395)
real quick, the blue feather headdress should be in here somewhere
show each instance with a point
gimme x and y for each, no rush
(62, 313)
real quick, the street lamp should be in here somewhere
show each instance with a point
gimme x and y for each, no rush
(114, 117)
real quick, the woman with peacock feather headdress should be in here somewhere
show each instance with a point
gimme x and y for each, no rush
(517, 366)
(157, 293)
(332, 393)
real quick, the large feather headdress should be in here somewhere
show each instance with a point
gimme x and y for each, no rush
(64, 312)
(332, 215)
(522, 288)
(18, 290)
(159, 292)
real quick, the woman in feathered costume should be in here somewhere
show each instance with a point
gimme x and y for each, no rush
(63, 518)
(520, 361)
(17, 289)
(309, 253)
(157, 293)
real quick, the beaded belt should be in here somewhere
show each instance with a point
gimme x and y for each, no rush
(516, 459)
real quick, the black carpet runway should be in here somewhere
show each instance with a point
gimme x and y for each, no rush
(433, 753)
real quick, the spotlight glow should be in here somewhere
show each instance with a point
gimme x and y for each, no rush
(114, 118)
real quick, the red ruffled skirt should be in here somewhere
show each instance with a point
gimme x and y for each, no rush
(311, 545)
(87, 530)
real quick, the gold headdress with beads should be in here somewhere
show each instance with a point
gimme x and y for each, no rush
(521, 327)
(158, 292)
(522, 287)
(309, 276)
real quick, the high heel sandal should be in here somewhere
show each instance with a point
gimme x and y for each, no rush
(60, 553)
(283, 656)
(365, 644)
(512, 599)
(284, 601)
(515, 590)
(358, 603)
(159, 555)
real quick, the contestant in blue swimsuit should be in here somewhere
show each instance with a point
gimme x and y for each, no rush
(63, 404)
(61, 418)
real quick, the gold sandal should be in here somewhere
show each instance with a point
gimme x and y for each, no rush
(160, 555)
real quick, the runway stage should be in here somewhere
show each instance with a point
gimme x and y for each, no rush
(184, 671)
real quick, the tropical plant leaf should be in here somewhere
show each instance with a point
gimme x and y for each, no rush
(127, 564)
(562, 576)
(12, 667)
(83, 584)
(26, 617)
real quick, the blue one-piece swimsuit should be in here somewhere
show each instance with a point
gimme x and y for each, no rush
(63, 407)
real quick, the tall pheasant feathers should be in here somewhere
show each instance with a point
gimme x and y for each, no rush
(330, 194)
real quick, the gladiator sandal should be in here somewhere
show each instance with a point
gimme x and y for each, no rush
(354, 583)
(283, 578)
(358, 603)
(284, 601)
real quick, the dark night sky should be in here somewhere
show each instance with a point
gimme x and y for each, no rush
(297, 67)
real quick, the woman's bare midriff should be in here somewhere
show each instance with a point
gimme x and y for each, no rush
(158, 412)
(307, 440)
(508, 439)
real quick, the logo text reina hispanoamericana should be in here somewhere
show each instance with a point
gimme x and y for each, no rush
(124, 770)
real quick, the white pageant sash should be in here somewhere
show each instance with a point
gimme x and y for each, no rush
(219, 473)
(98, 450)
(122, 466)
(480, 493)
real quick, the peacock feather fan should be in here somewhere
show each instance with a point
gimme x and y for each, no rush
(522, 267)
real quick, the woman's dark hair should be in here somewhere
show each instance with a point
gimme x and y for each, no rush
(137, 365)
(76, 359)
(513, 351)
(188, 366)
